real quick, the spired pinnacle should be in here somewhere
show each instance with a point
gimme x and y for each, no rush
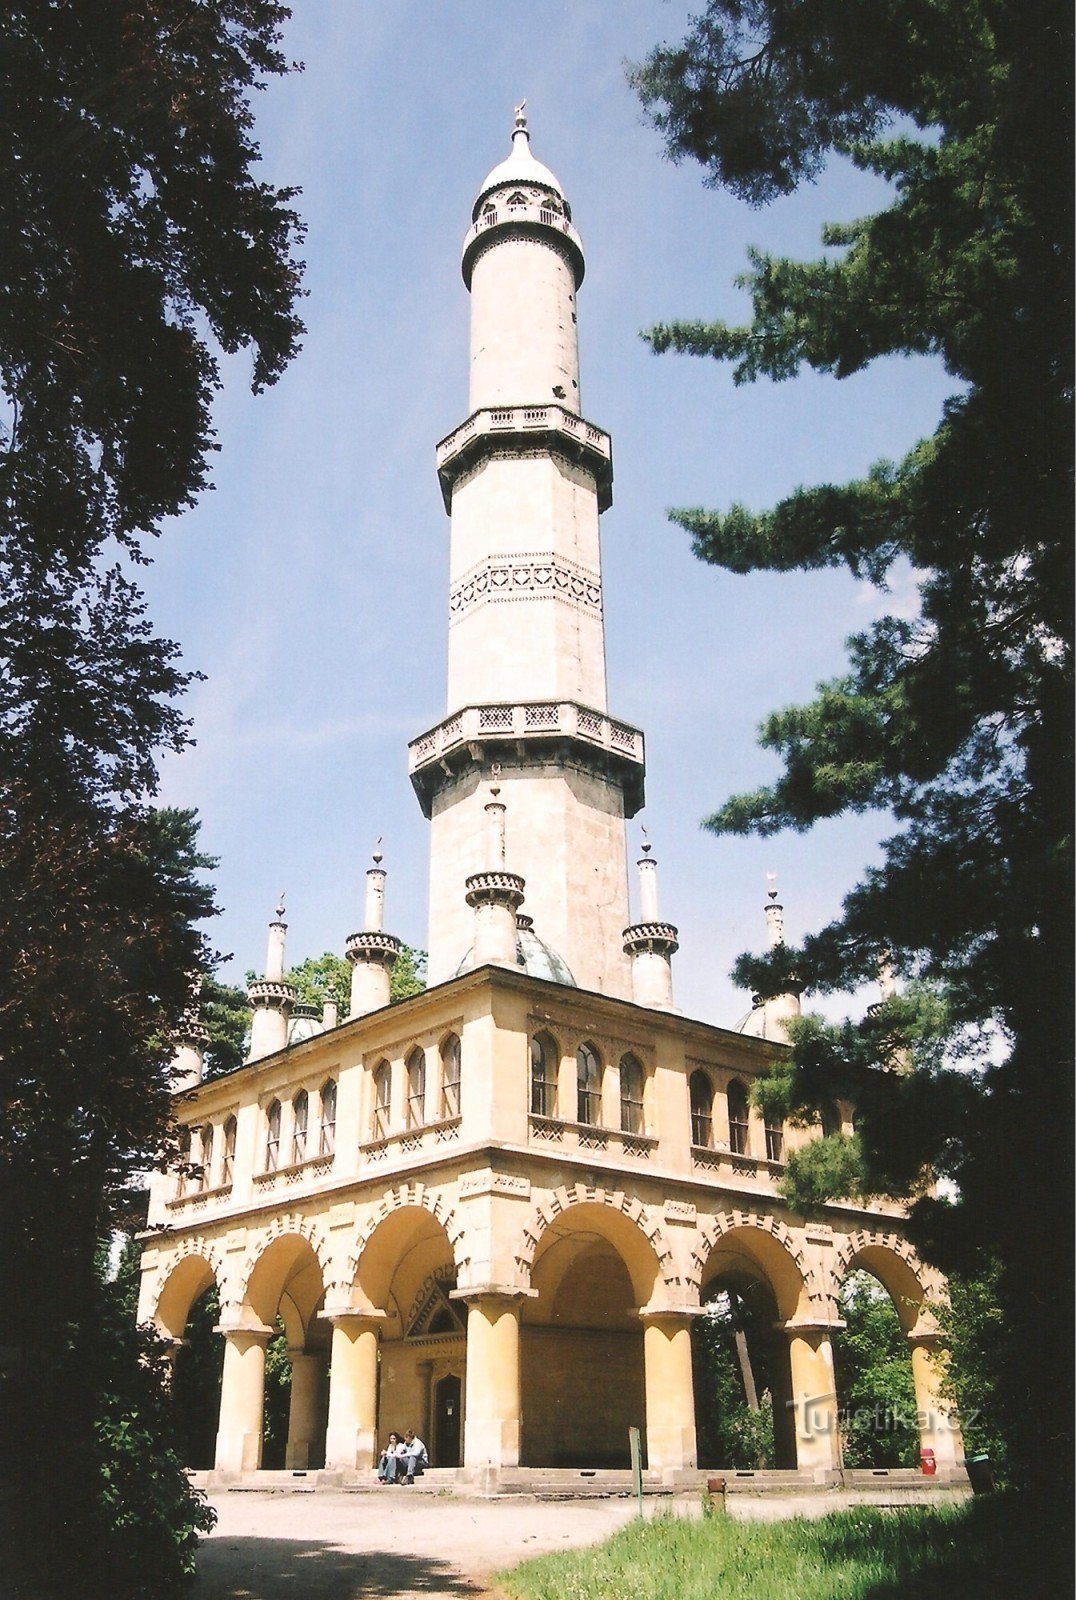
(280, 907)
(521, 120)
(771, 885)
(377, 853)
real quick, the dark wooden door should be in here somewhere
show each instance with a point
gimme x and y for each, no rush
(446, 1410)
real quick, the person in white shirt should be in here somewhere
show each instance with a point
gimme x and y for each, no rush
(415, 1460)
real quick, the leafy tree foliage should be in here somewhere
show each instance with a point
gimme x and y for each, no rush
(135, 241)
(224, 1011)
(735, 1429)
(958, 721)
(328, 976)
(875, 1391)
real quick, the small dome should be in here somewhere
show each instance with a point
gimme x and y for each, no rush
(305, 1023)
(534, 956)
(520, 167)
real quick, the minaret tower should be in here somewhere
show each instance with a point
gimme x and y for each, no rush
(524, 480)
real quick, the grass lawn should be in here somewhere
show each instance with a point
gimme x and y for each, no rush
(965, 1552)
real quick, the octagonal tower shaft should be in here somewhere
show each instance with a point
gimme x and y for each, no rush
(525, 478)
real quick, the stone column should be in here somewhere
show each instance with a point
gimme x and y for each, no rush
(304, 1414)
(242, 1399)
(492, 1409)
(670, 1390)
(938, 1428)
(351, 1432)
(814, 1397)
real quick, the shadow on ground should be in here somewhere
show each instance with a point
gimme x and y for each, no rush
(294, 1569)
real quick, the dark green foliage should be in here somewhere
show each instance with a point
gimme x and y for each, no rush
(196, 1384)
(730, 1433)
(875, 1391)
(957, 721)
(135, 242)
(277, 1398)
(408, 974)
(328, 976)
(225, 1012)
(974, 1327)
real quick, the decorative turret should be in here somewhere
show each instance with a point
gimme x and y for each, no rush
(191, 1038)
(781, 1008)
(495, 895)
(271, 998)
(649, 943)
(524, 478)
(373, 952)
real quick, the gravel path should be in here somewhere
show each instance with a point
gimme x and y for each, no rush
(392, 1546)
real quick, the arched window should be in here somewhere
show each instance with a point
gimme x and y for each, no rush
(327, 1138)
(736, 1095)
(631, 1095)
(227, 1163)
(416, 1088)
(588, 1076)
(272, 1137)
(205, 1158)
(451, 1058)
(702, 1110)
(382, 1096)
(516, 199)
(184, 1163)
(831, 1118)
(775, 1138)
(300, 1123)
(544, 1057)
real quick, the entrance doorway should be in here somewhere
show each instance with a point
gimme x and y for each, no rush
(447, 1395)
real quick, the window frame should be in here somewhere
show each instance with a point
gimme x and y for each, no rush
(632, 1120)
(451, 1053)
(588, 1088)
(229, 1130)
(327, 1119)
(300, 1127)
(273, 1119)
(544, 1075)
(702, 1121)
(381, 1110)
(739, 1126)
(415, 1104)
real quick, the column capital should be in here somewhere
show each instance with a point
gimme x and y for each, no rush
(804, 1327)
(354, 1316)
(927, 1339)
(684, 1313)
(247, 1330)
(493, 1291)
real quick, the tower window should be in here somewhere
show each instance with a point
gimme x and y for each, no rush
(544, 1058)
(272, 1137)
(450, 1077)
(736, 1095)
(702, 1110)
(588, 1070)
(631, 1095)
(382, 1093)
(516, 199)
(301, 1121)
(416, 1089)
(327, 1139)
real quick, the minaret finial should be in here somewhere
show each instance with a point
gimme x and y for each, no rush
(521, 119)
(280, 907)
(377, 853)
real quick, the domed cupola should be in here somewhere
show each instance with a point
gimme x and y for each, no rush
(522, 195)
(520, 170)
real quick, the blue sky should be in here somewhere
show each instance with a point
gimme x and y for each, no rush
(311, 585)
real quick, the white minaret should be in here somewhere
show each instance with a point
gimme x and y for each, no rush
(372, 952)
(271, 998)
(651, 944)
(525, 479)
(781, 1008)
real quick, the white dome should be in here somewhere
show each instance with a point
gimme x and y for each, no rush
(520, 167)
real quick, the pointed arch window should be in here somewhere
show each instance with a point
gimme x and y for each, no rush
(227, 1163)
(831, 1118)
(272, 1137)
(300, 1124)
(451, 1063)
(775, 1138)
(327, 1136)
(702, 1110)
(588, 1074)
(631, 1094)
(736, 1095)
(382, 1094)
(205, 1158)
(544, 1058)
(517, 198)
(184, 1162)
(416, 1088)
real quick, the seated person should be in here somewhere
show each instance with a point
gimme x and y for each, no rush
(392, 1460)
(414, 1459)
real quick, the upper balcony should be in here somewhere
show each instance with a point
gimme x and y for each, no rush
(467, 735)
(529, 217)
(549, 427)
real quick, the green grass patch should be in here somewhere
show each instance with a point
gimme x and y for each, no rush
(866, 1554)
